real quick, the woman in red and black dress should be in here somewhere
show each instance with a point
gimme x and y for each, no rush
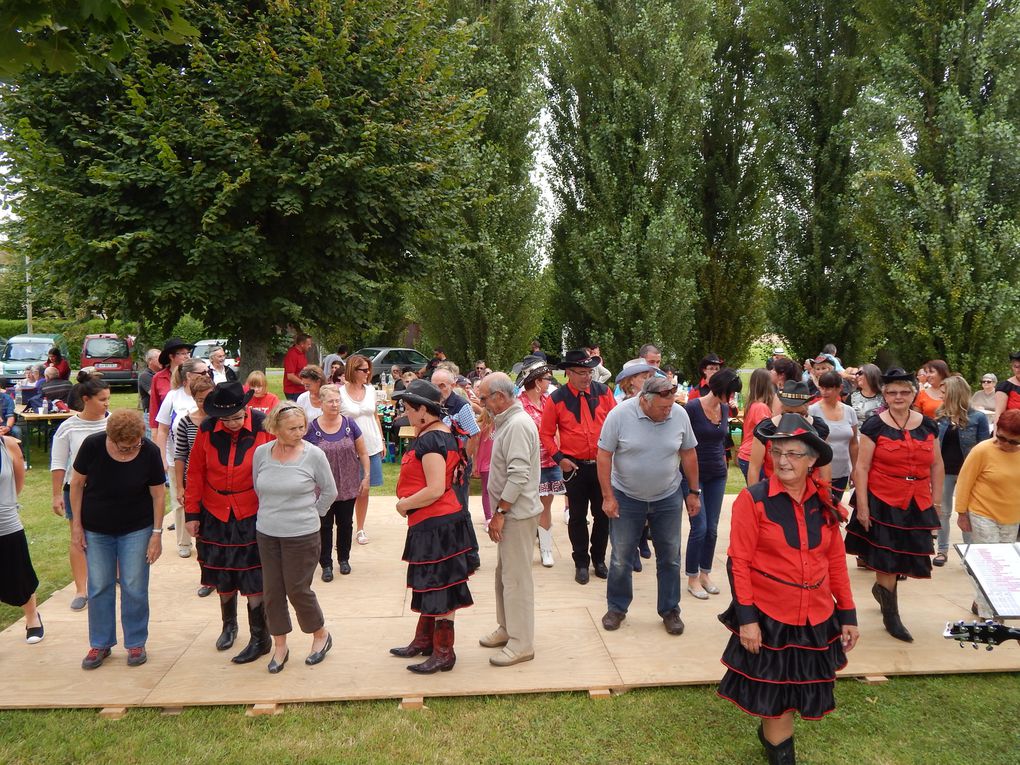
(792, 616)
(439, 537)
(708, 367)
(1007, 393)
(899, 470)
(220, 508)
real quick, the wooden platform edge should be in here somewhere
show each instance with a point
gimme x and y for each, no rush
(113, 713)
(258, 710)
(873, 679)
(412, 702)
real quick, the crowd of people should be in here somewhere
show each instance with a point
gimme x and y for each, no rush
(259, 485)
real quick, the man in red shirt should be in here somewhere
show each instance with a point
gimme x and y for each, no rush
(575, 413)
(293, 362)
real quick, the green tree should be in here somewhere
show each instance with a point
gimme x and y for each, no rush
(627, 83)
(483, 299)
(938, 190)
(813, 70)
(730, 302)
(59, 35)
(293, 168)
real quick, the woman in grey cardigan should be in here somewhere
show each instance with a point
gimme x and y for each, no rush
(295, 487)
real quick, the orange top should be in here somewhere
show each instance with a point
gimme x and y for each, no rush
(927, 405)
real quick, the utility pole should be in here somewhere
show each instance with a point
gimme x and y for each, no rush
(28, 296)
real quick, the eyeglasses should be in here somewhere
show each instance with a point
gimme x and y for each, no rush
(898, 393)
(128, 449)
(479, 369)
(988, 382)
(361, 369)
(792, 456)
(668, 393)
(579, 372)
(1010, 441)
(548, 379)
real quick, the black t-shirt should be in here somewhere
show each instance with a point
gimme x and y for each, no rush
(952, 452)
(117, 498)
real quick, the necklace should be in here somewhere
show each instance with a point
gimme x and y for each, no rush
(896, 422)
(429, 426)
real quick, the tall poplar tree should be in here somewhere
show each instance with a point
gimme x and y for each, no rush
(484, 299)
(730, 307)
(939, 188)
(813, 77)
(627, 82)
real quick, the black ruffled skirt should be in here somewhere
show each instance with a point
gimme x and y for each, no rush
(437, 553)
(899, 540)
(228, 554)
(794, 670)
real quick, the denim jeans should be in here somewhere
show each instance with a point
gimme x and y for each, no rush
(946, 514)
(705, 527)
(106, 554)
(663, 518)
(744, 465)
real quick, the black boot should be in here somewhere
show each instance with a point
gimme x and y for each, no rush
(422, 643)
(260, 643)
(228, 610)
(782, 753)
(443, 658)
(891, 613)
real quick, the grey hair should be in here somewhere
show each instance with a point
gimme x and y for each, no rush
(654, 385)
(500, 382)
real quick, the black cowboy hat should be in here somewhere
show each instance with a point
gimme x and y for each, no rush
(578, 358)
(712, 358)
(530, 368)
(226, 398)
(795, 393)
(795, 426)
(1014, 356)
(171, 345)
(897, 374)
(423, 393)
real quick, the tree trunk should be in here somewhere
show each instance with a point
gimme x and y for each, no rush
(254, 349)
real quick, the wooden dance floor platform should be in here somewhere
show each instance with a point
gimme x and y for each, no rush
(367, 613)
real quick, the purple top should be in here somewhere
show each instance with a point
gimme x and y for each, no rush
(341, 453)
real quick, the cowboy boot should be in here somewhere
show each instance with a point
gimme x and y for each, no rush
(891, 613)
(782, 753)
(422, 643)
(228, 610)
(260, 643)
(545, 546)
(443, 658)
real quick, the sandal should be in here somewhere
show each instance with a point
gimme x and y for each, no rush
(939, 560)
(362, 537)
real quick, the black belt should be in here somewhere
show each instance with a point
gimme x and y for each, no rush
(804, 586)
(579, 461)
(228, 493)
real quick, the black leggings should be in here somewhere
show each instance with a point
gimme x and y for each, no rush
(342, 513)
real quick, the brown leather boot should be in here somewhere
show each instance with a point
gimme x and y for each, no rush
(422, 643)
(443, 658)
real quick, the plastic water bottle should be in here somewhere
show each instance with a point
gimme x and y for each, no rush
(45, 407)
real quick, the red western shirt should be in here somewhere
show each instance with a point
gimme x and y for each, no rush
(219, 469)
(293, 362)
(775, 536)
(578, 416)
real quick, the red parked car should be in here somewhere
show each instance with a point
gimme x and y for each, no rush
(112, 355)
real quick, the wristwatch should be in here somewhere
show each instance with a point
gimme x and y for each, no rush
(695, 492)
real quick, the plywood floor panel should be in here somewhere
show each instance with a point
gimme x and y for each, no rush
(368, 612)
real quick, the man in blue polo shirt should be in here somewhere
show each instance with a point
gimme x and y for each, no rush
(643, 443)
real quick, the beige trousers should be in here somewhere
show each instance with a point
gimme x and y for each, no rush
(515, 587)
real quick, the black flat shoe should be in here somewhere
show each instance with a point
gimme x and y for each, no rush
(316, 656)
(345, 567)
(601, 570)
(35, 635)
(581, 575)
(276, 667)
(327, 573)
(205, 591)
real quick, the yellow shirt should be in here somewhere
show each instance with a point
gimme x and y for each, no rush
(988, 483)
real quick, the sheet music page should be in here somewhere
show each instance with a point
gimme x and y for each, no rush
(996, 569)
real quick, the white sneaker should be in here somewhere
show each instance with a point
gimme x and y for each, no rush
(362, 537)
(184, 551)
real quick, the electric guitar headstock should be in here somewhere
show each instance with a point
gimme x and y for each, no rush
(986, 633)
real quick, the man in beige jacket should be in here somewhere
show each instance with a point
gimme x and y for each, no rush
(514, 473)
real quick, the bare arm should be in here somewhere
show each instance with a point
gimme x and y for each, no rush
(689, 461)
(76, 491)
(865, 453)
(1001, 399)
(756, 461)
(604, 467)
(155, 548)
(17, 462)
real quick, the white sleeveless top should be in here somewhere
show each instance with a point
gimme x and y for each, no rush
(364, 413)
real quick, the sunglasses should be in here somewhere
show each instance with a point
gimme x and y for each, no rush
(668, 393)
(1010, 441)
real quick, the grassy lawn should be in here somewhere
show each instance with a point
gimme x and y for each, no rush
(908, 720)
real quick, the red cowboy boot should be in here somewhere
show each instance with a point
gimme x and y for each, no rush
(422, 643)
(443, 658)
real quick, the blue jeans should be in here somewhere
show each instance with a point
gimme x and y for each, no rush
(705, 527)
(105, 554)
(745, 465)
(663, 518)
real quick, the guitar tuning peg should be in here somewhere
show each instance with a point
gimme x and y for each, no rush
(975, 646)
(989, 647)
